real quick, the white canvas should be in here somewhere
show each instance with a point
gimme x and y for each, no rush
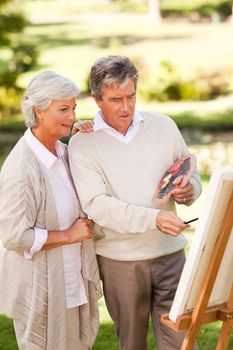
(218, 194)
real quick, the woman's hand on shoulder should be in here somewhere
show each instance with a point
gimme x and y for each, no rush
(84, 126)
(80, 230)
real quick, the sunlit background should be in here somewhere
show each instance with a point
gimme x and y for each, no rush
(183, 50)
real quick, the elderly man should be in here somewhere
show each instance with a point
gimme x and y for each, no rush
(116, 169)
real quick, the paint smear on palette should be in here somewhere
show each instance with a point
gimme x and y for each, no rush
(181, 170)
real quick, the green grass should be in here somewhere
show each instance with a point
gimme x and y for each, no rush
(104, 6)
(69, 44)
(72, 44)
(70, 7)
(107, 340)
(7, 336)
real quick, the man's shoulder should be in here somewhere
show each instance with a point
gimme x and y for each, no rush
(155, 119)
(81, 137)
(82, 141)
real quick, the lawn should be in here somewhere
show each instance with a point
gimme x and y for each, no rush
(70, 39)
(106, 339)
(71, 47)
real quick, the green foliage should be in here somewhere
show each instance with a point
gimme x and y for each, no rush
(24, 58)
(207, 122)
(12, 127)
(168, 85)
(201, 8)
(180, 8)
(17, 56)
(86, 88)
(9, 102)
(9, 23)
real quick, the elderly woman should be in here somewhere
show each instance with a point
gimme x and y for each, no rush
(49, 282)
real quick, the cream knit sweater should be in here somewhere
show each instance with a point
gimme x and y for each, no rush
(116, 182)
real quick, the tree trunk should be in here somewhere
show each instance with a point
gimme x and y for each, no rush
(154, 11)
(232, 14)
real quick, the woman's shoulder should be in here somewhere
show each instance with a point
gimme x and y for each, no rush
(20, 161)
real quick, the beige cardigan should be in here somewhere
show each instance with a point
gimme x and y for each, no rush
(32, 291)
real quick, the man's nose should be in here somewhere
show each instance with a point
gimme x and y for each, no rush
(125, 105)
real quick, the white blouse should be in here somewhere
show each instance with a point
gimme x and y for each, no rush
(68, 211)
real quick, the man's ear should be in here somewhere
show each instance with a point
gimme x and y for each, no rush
(97, 100)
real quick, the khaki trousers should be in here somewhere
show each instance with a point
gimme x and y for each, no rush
(135, 289)
(73, 340)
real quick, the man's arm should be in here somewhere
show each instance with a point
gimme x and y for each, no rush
(109, 211)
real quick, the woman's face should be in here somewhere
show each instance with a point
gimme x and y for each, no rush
(56, 121)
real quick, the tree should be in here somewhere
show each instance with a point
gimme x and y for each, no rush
(154, 10)
(16, 56)
(232, 13)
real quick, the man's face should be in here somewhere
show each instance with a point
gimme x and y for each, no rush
(117, 105)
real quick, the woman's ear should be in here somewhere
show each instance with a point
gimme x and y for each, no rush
(38, 113)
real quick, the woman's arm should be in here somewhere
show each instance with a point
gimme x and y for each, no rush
(84, 126)
(79, 231)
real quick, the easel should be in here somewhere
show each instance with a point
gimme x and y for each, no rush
(201, 314)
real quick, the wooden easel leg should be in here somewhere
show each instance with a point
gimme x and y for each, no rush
(225, 335)
(227, 327)
(208, 283)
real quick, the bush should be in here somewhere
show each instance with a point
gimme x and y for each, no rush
(17, 56)
(211, 122)
(168, 85)
(10, 99)
(207, 9)
(223, 9)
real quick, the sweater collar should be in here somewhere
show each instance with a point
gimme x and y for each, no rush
(99, 122)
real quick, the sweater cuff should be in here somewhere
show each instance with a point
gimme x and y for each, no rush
(152, 215)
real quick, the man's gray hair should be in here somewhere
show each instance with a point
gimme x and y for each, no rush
(44, 88)
(111, 69)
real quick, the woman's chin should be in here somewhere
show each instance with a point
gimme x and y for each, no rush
(65, 133)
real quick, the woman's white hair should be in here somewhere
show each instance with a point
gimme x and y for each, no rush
(44, 88)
